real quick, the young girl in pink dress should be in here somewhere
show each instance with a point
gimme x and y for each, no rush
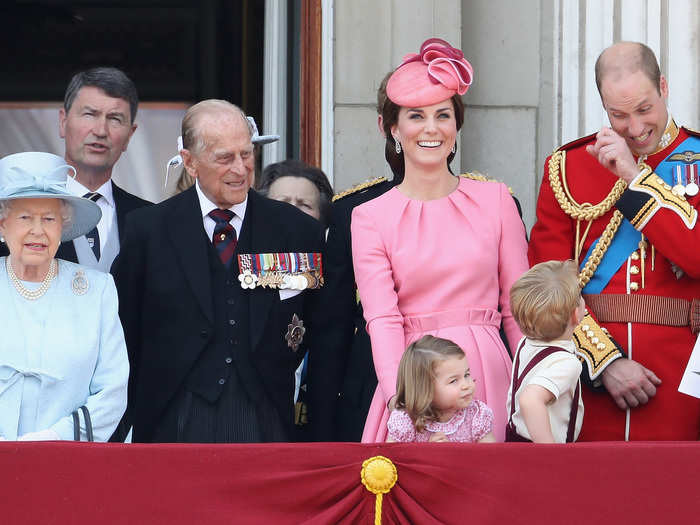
(436, 254)
(435, 397)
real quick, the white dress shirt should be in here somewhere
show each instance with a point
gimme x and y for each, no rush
(108, 223)
(206, 205)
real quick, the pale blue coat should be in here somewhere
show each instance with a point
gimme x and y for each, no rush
(60, 352)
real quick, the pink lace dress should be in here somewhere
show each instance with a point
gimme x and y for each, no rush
(442, 267)
(468, 425)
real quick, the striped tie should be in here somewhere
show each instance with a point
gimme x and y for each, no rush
(93, 235)
(224, 237)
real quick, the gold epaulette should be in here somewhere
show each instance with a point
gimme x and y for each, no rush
(594, 346)
(662, 196)
(483, 178)
(358, 187)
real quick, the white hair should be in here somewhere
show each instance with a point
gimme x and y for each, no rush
(66, 211)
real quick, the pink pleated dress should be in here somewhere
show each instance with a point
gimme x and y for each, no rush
(442, 267)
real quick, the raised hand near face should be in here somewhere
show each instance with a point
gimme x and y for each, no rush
(611, 150)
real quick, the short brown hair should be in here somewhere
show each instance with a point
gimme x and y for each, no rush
(639, 57)
(390, 116)
(415, 381)
(544, 299)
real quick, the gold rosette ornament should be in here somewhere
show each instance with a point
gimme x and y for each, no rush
(379, 477)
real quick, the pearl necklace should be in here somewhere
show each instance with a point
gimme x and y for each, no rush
(32, 295)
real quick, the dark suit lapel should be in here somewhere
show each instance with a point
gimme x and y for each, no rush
(122, 205)
(185, 229)
(256, 239)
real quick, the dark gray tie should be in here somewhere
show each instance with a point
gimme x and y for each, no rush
(93, 235)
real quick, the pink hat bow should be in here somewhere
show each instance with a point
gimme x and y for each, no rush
(436, 73)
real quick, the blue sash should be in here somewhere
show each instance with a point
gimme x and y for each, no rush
(627, 238)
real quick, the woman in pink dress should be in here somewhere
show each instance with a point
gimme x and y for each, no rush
(436, 254)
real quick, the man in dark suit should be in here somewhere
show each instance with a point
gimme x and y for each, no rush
(97, 122)
(212, 351)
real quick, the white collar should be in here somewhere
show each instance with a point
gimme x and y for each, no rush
(566, 344)
(206, 205)
(105, 191)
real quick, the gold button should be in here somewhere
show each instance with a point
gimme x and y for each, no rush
(634, 270)
(634, 286)
(643, 245)
(634, 256)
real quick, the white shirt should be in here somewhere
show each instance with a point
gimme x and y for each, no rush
(559, 373)
(108, 223)
(206, 205)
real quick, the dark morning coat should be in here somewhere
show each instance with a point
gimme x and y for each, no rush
(345, 364)
(166, 307)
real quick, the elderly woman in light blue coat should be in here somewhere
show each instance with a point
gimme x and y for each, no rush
(61, 342)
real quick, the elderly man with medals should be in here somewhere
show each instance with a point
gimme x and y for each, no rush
(62, 346)
(623, 203)
(216, 289)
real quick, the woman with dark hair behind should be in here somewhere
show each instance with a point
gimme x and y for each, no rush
(299, 184)
(436, 254)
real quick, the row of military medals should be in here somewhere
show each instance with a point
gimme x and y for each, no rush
(293, 270)
(686, 178)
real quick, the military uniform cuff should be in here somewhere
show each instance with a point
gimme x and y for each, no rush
(595, 347)
(648, 193)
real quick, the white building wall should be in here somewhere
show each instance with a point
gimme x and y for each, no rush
(499, 138)
(370, 38)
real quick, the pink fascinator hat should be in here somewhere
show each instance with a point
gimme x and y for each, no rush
(436, 73)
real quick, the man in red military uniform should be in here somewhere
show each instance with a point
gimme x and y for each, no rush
(623, 203)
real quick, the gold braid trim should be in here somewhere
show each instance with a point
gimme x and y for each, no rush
(573, 209)
(483, 178)
(600, 248)
(586, 212)
(358, 187)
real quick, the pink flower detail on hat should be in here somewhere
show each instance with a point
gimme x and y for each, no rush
(446, 64)
(436, 73)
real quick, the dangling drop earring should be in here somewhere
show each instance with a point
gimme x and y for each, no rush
(454, 147)
(398, 146)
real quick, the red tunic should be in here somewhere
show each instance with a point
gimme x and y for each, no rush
(665, 350)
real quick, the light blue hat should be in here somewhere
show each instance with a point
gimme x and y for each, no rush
(38, 175)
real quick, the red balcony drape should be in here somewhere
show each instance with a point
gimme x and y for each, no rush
(601, 483)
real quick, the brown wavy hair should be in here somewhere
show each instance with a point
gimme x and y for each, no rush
(416, 377)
